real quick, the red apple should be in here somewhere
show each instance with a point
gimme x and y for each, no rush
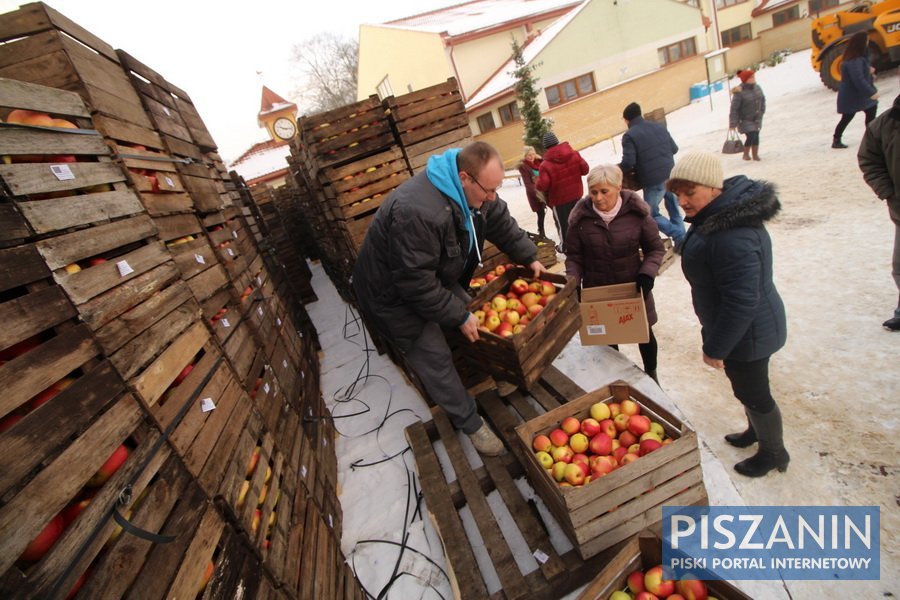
(590, 427)
(558, 437)
(541, 443)
(504, 329)
(519, 286)
(601, 465)
(529, 299)
(574, 474)
(645, 595)
(254, 460)
(614, 409)
(626, 438)
(498, 303)
(71, 512)
(618, 453)
(562, 454)
(601, 444)
(512, 317)
(638, 424)
(534, 309)
(207, 575)
(621, 421)
(183, 375)
(8, 421)
(44, 540)
(43, 397)
(648, 446)
(492, 322)
(629, 457)
(570, 425)
(608, 427)
(490, 276)
(655, 583)
(20, 348)
(636, 582)
(499, 270)
(547, 289)
(112, 464)
(691, 589)
(676, 597)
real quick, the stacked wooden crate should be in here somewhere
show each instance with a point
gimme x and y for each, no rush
(429, 121)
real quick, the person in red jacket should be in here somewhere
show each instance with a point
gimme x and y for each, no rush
(559, 177)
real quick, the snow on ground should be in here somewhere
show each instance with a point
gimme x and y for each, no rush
(833, 380)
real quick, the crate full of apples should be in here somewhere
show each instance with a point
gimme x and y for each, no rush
(524, 323)
(636, 573)
(606, 462)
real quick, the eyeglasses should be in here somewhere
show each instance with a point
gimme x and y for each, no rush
(484, 189)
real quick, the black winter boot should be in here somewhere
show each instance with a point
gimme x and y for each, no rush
(837, 143)
(743, 439)
(771, 453)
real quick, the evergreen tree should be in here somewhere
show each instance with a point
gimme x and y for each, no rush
(526, 92)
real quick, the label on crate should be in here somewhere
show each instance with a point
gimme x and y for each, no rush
(303, 471)
(330, 521)
(166, 110)
(207, 405)
(124, 268)
(266, 388)
(230, 252)
(62, 172)
(234, 234)
(199, 258)
(259, 310)
(225, 323)
(284, 363)
(596, 329)
(278, 322)
(540, 556)
(258, 280)
(169, 181)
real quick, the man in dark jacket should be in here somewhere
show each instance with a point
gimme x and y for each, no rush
(416, 262)
(879, 159)
(727, 260)
(559, 177)
(649, 149)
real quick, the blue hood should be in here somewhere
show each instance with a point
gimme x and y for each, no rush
(443, 173)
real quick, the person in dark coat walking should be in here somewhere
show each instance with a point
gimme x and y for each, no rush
(559, 178)
(727, 260)
(528, 171)
(417, 259)
(607, 231)
(649, 149)
(879, 160)
(748, 105)
(857, 91)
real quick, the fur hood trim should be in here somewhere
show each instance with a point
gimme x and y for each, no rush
(743, 203)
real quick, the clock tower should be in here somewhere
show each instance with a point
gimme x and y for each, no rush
(277, 115)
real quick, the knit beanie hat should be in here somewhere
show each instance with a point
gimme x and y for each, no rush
(699, 167)
(550, 140)
(632, 111)
(746, 74)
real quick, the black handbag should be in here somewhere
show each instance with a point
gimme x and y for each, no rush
(733, 143)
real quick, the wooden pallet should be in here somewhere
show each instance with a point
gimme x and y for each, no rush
(555, 575)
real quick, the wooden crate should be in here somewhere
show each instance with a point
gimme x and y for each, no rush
(361, 186)
(521, 359)
(45, 47)
(448, 491)
(642, 552)
(610, 509)
(60, 179)
(345, 134)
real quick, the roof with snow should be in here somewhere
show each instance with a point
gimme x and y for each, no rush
(503, 80)
(476, 15)
(272, 102)
(263, 158)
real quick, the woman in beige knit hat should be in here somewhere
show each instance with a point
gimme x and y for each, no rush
(727, 260)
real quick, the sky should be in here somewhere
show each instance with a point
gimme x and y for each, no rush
(222, 53)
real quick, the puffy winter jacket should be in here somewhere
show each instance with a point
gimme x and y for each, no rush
(600, 253)
(560, 175)
(648, 148)
(413, 264)
(748, 105)
(857, 87)
(879, 155)
(727, 260)
(526, 170)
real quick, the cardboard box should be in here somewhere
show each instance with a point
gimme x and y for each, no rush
(620, 504)
(613, 314)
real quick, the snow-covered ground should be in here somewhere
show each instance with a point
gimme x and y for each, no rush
(834, 381)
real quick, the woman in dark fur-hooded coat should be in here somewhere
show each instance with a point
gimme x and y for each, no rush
(727, 260)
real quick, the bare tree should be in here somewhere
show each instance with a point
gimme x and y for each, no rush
(328, 66)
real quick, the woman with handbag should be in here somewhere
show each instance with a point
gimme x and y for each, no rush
(857, 91)
(748, 105)
(529, 169)
(727, 261)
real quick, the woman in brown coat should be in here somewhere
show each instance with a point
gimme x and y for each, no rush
(528, 169)
(607, 229)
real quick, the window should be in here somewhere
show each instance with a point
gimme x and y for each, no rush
(570, 90)
(384, 88)
(736, 35)
(817, 5)
(486, 122)
(786, 16)
(678, 51)
(727, 3)
(509, 113)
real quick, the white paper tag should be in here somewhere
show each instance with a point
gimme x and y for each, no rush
(302, 375)
(258, 280)
(169, 181)
(266, 387)
(207, 405)
(324, 442)
(284, 363)
(596, 329)
(301, 334)
(540, 556)
(259, 310)
(234, 234)
(225, 323)
(199, 258)
(278, 322)
(230, 252)
(330, 521)
(166, 110)
(303, 471)
(62, 172)
(124, 268)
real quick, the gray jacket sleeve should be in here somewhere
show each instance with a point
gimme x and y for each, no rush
(873, 163)
(505, 233)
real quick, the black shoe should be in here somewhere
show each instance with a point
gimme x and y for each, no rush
(837, 143)
(762, 462)
(892, 324)
(743, 439)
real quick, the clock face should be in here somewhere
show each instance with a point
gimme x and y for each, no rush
(284, 128)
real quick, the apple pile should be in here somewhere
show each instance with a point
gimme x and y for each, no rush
(509, 313)
(38, 119)
(476, 283)
(257, 513)
(652, 585)
(614, 435)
